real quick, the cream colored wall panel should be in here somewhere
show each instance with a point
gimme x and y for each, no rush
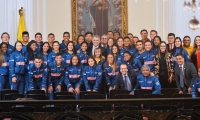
(58, 17)
(141, 15)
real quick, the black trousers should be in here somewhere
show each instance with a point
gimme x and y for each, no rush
(163, 78)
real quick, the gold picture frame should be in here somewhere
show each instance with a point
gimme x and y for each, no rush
(77, 26)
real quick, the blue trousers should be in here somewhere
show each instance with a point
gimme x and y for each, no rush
(54, 85)
(19, 84)
(4, 82)
(74, 85)
(35, 85)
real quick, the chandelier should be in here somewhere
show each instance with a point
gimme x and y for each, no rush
(192, 5)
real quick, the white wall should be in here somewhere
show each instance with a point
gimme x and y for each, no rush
(54, 16)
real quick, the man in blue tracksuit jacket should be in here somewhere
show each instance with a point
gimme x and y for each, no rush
(37, 75)
(56, 75)
(196, 86)
(146, 81)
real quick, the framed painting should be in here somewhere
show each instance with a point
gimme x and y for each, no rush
(98, 17)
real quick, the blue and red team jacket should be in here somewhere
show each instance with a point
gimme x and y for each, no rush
(131, 49)
(73, 75)
(83, 57)
(4, 68)
(37, 75)
(149, 83)
(17, 63)
(56, 73)
(66, 58)
(110, 74)
(63, 47)
(92, 75)
(135, 66)
(147, 58)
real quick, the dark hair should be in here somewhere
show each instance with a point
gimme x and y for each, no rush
(144, 30)
(38, 57)
(4, 34)
(109, 31)
(135, 37)
(130, 34)
(131, 59)
(66, 33)
(54, 43)
(38, 34)
(72, 58)
(79, 37)
(120, 38)
(126, 37)
(84, 43)
(118, 51)
(74, 51)
(139, 41)
(3, 43)
(124, 64)
(41, 51)
(186, 37)
(147, 41)
(29, 50)
(171, 34)
(58, 54)
(154, 46)
(181, 48)
(51, 34)
(154, 31)
(88, 33)
(195, 46)
(180, 54)
(91, 57)
(25, 33)
(17, 42)
(116, 32)
(112, 40)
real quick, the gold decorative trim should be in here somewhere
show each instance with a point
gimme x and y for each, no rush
(74, 19)
(124, 18)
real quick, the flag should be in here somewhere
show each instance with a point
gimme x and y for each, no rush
(21, 26)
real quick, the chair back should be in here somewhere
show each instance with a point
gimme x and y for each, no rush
(118, 91)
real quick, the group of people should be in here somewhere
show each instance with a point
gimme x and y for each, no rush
(100, 64)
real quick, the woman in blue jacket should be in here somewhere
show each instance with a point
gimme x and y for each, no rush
(111, 70)
(82, 53)
(4, 68)
(80, 40)
(44, 52)
(179, 49)
(73, 76)
(68, 54)
(133, 64)
(116, 52)
(92, 75)
(17, 68)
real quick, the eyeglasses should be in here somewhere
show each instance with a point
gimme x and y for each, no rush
(104, 38)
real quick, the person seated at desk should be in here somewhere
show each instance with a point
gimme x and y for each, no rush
(146, 81)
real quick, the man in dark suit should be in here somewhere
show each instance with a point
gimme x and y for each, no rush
(96, 44)
(125, 79)
(185, 73)
(170, 45)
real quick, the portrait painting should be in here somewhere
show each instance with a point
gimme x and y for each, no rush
(99, 17)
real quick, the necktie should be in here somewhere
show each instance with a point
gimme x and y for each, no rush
(125, 83)
(170, 46)
(181, 77)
